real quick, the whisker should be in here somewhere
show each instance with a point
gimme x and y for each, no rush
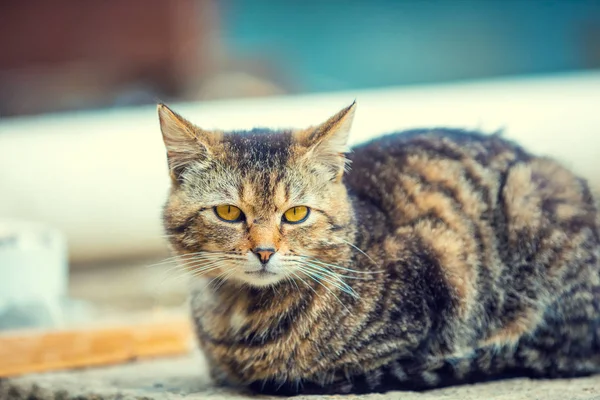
(338, 283)
(216, 278)
(326, 288)
(207, 284)
(188, 265)
(356, 271)
(198, 274)
(224, 278)
(315, 260)
(181, 256)
(322, 268)
(199, 269)
(198, 255)
(205, 252)
(303, 281)
(362, 252)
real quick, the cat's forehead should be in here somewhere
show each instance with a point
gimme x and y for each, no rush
(264, 198)
(258, 150)
(272, 189)
(260, 193)
(256, 169)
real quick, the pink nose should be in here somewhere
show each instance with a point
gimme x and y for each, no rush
(264, 255)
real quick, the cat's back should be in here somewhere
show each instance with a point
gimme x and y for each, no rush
(433, 169)
(470, 171)
(422, 151)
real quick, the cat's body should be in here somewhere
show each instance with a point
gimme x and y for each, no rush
(462, 257)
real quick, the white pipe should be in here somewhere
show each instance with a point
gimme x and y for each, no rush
(101, 176)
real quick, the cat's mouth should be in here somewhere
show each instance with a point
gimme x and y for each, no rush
(260, 272)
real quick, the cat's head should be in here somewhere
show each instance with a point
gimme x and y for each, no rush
(258, 206)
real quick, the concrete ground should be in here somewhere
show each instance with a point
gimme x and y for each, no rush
(187, 378)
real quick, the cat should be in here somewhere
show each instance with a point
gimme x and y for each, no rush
(417, 260)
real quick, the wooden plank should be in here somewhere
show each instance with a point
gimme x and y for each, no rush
(39, 351)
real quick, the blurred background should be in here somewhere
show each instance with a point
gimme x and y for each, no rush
(71, 55)
(80, 150)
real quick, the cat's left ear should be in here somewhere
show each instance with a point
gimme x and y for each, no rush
(327, 143)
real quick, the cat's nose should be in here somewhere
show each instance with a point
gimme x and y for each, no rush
(264, 254)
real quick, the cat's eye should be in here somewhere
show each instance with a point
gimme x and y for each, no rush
(229, 213)
(296, 215)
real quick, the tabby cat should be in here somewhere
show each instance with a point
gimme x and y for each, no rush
(418, 260)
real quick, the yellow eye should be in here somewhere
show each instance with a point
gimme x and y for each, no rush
(229, 213)
(295, 215)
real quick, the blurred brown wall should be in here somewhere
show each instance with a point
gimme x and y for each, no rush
(72, 54)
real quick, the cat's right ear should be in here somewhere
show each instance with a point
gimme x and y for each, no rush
(185, 142)
(326, 144)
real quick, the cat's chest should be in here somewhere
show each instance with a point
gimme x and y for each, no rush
(230, 318)
(216, 317)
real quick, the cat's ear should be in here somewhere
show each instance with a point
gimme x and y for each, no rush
(327, 143)
(185, 142)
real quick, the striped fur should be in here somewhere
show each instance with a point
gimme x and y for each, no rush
(464, 257)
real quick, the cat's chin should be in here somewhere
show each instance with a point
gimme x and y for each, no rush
(260, 278)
